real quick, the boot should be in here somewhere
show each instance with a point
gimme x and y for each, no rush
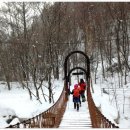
(74, 105)
(80, 102)
(83, 100)
(77, 107)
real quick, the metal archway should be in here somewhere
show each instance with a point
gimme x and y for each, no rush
(68, 77)
(65, 67)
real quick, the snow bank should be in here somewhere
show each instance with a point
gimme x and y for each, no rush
(108, 110)
(14, 121)
(102, 102)
(6, 114)
(16, 102)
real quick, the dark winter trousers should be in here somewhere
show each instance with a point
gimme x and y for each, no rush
(83, 96)
(79, 100)
(76, 103)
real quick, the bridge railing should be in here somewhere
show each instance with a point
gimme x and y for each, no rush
(51, 118)
(97, 118)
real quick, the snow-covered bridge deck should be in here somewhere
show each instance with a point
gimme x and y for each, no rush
(76, 119)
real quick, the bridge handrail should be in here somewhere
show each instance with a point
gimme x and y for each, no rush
(50, 118)
(97, 118)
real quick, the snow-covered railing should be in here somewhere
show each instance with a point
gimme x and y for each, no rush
(51, 118)
(97, 118)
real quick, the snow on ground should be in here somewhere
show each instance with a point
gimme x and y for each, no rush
(17, 102)
(102, 102)
(114, 101)
(78, 119)
(5, 115)
(106, 102)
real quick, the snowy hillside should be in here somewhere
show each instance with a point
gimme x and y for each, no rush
(111, 96)
(16, 103)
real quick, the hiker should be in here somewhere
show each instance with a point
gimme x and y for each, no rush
(79, 95)
(82, 85)
(76, 96)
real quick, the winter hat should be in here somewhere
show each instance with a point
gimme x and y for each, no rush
(75, 86)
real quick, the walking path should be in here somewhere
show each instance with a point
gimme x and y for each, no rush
(76, 119)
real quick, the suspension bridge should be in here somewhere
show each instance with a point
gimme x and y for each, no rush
(62, 114)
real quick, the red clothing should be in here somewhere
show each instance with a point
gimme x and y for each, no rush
(82, 86)
(76, 92)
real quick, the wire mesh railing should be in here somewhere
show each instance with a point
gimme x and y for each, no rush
(51, 118)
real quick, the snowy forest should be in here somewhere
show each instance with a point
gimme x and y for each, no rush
(35, 38)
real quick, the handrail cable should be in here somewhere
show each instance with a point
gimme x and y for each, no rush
(97, 118)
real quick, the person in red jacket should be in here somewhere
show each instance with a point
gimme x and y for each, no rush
(82, 85)
(76, 96)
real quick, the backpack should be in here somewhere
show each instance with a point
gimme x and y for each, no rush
(76, 93)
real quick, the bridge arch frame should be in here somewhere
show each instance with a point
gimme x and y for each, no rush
(67, 74)
(68, 77)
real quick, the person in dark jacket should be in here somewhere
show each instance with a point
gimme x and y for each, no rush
(82, 85)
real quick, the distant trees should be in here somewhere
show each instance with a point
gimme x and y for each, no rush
(35, 37)
(106, 28)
